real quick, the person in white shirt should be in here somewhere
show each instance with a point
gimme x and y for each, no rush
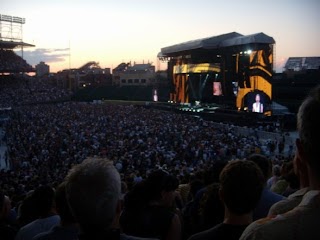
(257, 106)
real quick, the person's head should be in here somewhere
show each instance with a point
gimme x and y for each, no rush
(195, 186)
(212, 174)
(27, 211)
(43, 198)
(93, 191)
(308, 119)
(161, 186)
(264, 164)
(276, 170)
(241, 184)
(257, 97)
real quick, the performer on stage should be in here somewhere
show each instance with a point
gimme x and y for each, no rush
(257, 106)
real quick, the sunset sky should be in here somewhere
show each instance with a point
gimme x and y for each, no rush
(115, 31)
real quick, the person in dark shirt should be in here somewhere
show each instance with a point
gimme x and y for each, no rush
(149, 209)
(241, 184)
(268, 198)
(68, 228)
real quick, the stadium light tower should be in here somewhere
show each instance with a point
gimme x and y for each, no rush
(11, 28)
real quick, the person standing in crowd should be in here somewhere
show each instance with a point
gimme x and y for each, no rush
(45, 212)
(268, 198)
(241, 184)
(302, 222)
(295, 198)
(149, 208)
(68, 229)
(93, 193)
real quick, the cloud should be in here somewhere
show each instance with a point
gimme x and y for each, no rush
(47, 55)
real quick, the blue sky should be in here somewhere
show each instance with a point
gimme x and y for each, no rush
(110, 32)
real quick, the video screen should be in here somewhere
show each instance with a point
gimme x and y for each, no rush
(256, 102)
(217, 90)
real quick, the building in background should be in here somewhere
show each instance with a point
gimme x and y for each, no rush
(88, 75)
(126, 74)
(42, 69)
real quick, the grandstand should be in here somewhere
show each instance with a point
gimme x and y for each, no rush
(302, 63)
(10, 40)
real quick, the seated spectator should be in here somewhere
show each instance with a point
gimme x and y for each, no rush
(268, 198)
(149, 209)
(302, 222)
(7, 232)
(43, 198)
(68, 228)
(241, 184)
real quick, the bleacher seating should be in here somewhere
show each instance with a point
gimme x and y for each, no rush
(11, 62)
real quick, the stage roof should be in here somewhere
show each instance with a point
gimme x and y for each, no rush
(12, 44)
(216, 42)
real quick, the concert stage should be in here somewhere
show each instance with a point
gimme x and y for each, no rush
(229, 69)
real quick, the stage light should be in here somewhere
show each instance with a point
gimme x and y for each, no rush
(249, 52)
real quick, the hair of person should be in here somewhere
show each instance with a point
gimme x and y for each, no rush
(263, 163)
(195, 186)
(308, 119)
(213, 173)
(93, 191)
(241, 182)
(150, 189)
(158, 181)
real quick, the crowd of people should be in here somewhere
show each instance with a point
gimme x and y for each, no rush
(17, 90)
(11, 62)
(173, 174)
